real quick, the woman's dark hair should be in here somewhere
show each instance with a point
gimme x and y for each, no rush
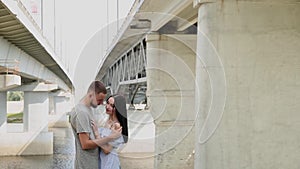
(121, 113)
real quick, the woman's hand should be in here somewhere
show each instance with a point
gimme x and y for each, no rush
(116, 133)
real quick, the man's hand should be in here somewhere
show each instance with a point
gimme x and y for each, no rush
(106, 148)
(114, 134)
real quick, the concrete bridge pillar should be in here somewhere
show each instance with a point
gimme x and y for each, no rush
(51, 105)
(170, 92)
(249, 84)
(35, 138)
(60, 105)
(3, 111)
(36, 109)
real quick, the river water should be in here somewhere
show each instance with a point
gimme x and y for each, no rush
(62, 158)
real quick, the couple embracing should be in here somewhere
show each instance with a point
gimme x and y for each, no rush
(97, 147)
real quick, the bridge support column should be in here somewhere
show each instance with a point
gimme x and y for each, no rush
(60, 105)
(36, 109)
(35, 139)
(170, 92)
(3, 111)
(51, 105)
(249, 85)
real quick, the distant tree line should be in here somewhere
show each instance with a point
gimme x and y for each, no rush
(15, 96)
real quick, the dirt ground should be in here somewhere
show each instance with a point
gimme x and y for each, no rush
(137, 160)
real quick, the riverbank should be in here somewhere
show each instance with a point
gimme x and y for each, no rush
(137, 154)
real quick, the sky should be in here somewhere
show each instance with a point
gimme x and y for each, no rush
(81, 22)
(79, 32)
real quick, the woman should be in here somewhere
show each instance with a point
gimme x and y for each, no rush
(116, 109)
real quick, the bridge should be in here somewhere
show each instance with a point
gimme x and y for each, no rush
(30, 64)
(155, 55)
(220, 79)
(202, 64)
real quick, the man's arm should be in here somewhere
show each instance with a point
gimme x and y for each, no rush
(86, 143)
(106, 148)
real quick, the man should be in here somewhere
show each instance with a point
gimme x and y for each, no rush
(87, 151)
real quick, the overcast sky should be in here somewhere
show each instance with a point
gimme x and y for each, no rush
(81, 21)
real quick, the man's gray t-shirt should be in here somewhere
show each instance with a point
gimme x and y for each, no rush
(80, 118)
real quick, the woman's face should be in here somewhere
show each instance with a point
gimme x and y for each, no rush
(110, 106)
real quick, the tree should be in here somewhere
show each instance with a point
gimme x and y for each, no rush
(15, 96)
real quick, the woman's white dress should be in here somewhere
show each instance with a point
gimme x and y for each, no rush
(111, 160)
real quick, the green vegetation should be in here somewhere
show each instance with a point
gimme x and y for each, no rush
(15, 96)
(15, 117)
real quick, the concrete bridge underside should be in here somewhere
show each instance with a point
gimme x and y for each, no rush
(157, 52)
(205, 91)
(28, 64)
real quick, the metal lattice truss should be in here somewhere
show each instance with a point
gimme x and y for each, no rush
(130, 68)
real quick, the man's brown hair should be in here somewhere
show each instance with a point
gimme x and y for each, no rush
(97, 87)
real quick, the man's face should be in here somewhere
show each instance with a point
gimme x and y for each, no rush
(97, 99)
(100, 98)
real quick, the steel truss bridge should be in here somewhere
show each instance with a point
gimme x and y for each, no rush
(128, 73)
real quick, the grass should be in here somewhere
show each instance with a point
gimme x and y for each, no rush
(15, 117)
